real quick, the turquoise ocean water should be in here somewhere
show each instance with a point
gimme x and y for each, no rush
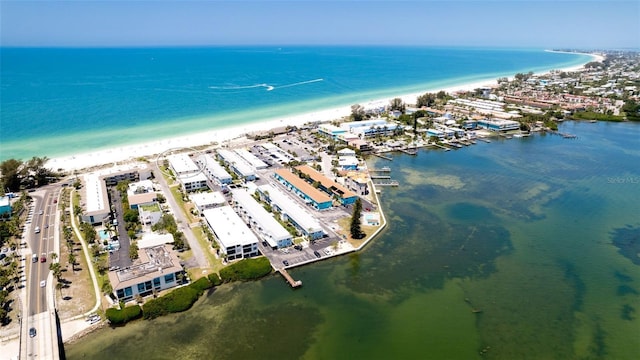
(495, 251)
(63, 101)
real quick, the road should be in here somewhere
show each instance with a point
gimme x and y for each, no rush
(119, 258)
(40, 285)
(183, 222)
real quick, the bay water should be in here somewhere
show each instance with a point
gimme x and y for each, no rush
(503, 250)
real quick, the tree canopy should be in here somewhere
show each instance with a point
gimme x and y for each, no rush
(426, 99)
(356, 228)
(357, 112)
(17, 174)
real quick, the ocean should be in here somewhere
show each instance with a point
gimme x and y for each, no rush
(64, 101)
(515, 249)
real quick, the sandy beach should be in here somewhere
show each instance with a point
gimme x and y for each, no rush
(130, 152)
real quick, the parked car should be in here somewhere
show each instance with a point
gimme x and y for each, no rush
(32, 332)
(34, 258)
(317, 254)
(43, 283)
(285, 262)
(43, 258)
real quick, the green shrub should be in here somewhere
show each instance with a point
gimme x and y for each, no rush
(201, 285)
(117, 316)
(247, 269)
(214, 278)
(178, 300)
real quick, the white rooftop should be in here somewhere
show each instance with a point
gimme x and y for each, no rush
(147, 185)
(213, 167)
(252, 159)
(301, 216)
(240, 164)
(268, 225)
(229, 227)
(182, 164)
(193, 177)
(96, 193)
(207, 198)
(152, 239)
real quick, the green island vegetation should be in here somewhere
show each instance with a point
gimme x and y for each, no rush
(592, 115)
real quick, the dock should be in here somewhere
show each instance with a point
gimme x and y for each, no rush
(409, 151)
(483, 139)
(382, 169)
(383, 156)
(294, 283)
(380, 177)
(387, 183)
(442, 147)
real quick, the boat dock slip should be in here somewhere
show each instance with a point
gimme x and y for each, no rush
(485, 140)
(380, 176)
(383, 169)
(294, 283)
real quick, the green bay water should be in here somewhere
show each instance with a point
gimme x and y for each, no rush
(501, 250)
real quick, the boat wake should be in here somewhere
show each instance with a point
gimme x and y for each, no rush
(264, 85)
(267, 86)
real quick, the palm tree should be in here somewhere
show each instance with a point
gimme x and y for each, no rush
(59, 287)
(54, 256)
(72, 261)
(56, 270)
(109, 228)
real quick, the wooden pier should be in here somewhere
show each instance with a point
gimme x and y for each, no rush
(294, 283)
(445, 148)
(483, 139)
(380, 177)
(383, 156)
(410, 151)
(382, 169)
(387, 183)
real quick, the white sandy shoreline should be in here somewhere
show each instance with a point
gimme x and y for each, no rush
(130, 152)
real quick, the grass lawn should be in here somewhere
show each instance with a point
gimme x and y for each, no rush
(344, 225)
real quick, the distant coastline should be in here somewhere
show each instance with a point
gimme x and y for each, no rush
(118, 144)
(124, 153)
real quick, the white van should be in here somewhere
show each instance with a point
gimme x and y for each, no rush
(34, 258)
(37, 231)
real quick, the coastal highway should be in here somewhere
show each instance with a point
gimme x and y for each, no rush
(40, 311)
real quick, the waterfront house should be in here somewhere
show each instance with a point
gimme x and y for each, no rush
(157, 269)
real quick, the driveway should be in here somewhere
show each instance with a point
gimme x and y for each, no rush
(183, 222)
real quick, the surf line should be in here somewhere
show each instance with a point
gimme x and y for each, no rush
(264, 85)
